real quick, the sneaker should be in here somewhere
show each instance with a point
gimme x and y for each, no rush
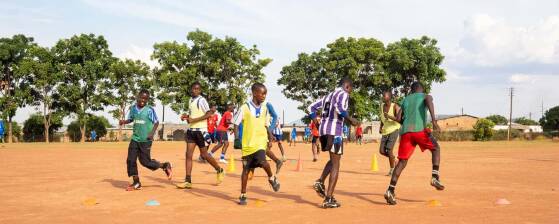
(283, 159)
(243, 199)
(330, 202)
(279, 164)
(275, 184)
(320, 188)
(437, 184)
(184, 185)
(390, 197)
(314, 159)
(220, 176)
(223, 161)
(168, 168)
(134, 186)
(201, 159)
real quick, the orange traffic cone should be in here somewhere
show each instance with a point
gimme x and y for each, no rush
(299, 164)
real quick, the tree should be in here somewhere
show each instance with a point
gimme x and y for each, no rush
(483, 129)
(15, 91)
(85, 62)
(525, 121)
(371, 67)
(224, 67)
(126, 78)
(33, 128)
(97, 123)
(41, 67)
(498, 119)
(550, 120)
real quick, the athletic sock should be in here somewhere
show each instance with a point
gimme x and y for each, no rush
(271, 178)
(391, 188)
(435, 172)
(188, 179)
(222, 156)
(211, 154)
(136, 179)
(219, 170)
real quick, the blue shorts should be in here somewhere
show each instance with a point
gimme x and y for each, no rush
(278, 137)
(222, 136)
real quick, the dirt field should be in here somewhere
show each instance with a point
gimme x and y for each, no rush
(42, 183)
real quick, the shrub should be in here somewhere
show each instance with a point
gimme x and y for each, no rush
(483, 130)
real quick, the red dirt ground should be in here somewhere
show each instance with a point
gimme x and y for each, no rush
(42, 183)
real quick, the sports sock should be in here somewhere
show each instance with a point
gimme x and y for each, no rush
(188, 179)
(136, 179)
(222, 156)
(435, 172)
(391, 187)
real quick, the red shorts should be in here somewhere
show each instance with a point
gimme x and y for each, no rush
(409, 140)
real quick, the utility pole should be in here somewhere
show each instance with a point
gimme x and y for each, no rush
(462, 111)
(283, 118)
(510, 113)
(530, 115)
(163, 125)
(542, 109)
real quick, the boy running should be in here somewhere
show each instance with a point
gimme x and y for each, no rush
(222, 133)
(293, 135)
(314, 142)
(212, 129)
(256, 138)
(359, 134)
(307, 134)
(197, 135)
(145, 123)
(413, 133)
(389, 128)
(334, 112)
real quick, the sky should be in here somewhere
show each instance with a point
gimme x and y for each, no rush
(489, 46)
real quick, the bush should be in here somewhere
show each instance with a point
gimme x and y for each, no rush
(483, 130)
(34, 128)
(501, 135)
(99, 124)
(454, 135)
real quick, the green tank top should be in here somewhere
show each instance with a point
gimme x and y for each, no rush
(142, 124)
(414, 111)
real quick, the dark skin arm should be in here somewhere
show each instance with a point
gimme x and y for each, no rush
(208, 114)
(396, 109)
(152, 133)
(431, 107)
(380, 129)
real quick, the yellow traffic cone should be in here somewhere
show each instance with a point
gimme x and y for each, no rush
(231, 165)
(374, 163)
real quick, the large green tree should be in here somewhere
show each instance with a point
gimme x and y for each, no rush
(33, 128)
(498, 119)
(367, 63)
(224, 67)
(525, 121)
(41, 67)
(126, 78)
(550, 120)
(97, 123)
(15, 92)
(85, 62)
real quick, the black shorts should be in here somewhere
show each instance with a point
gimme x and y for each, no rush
(201, 138)
(213, 137)
(314, 139)
(333, 144)
(222, 136)
(254, 160)
(387, 142)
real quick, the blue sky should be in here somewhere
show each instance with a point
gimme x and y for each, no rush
(489, 45)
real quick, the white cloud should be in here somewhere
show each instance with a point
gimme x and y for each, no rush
(135, 52)
(490, 41)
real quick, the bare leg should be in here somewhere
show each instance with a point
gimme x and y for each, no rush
(188, 161)
(335, 159)
(210, 159)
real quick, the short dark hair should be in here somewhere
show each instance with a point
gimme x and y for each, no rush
(256, 86)
(345, 80)
(387, 91)
(143, 91)
(415, 85)
(195, 83)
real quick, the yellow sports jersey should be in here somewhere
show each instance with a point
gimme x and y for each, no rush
(198, 108)
(255, 134)
(388, 125)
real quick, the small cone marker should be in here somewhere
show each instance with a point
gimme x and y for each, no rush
(231, 165)
(374, 163)
(502, 201)
(434, 203)
(299, 164)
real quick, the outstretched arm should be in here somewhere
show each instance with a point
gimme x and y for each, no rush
(313, 108)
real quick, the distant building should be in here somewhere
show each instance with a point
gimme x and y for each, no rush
(456, 122)
(520, 127)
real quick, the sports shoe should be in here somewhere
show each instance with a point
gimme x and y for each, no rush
(283, 158)
(168, 168)
(220, 176)
(275, 184)
(437, 184)
(314, 159)
(243, 199)
(223, 161)
(134, 186)
(330, 202)
(319, 188)
(184, 185)
(201, 159)
(390, 197)
(279, 164)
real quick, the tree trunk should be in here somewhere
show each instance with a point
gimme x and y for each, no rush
(122, 115)
(46, 122)
(82, 130)
(10, 134)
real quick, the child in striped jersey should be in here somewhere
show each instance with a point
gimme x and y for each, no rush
(334, 108)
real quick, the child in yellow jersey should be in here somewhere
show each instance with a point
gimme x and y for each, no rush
(256, 138)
